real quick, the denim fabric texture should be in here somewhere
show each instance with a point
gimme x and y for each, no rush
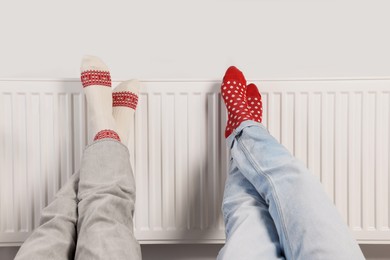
(274, 207)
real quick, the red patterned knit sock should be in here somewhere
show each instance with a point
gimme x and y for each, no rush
(96, 81)
(107, 133)
(255, 105)
(233, 90)
(125, 100)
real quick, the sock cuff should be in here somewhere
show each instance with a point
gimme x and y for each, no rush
(96, 77)
(124, 99)
(107, 133)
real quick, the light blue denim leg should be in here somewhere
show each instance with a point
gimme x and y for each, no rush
(308, 224)
(250, 230)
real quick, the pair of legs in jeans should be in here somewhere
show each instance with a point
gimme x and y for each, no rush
(273, 207)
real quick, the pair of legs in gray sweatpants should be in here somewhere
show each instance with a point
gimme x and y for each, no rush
(91, 217)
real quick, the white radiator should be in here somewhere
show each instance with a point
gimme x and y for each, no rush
(339, 128)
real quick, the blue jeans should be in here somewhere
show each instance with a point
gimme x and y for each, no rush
(274, 208)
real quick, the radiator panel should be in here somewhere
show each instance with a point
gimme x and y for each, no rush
(339, 128)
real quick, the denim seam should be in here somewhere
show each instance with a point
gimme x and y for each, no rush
(260, 172)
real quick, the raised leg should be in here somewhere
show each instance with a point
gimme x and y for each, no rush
(106, 203)
(250, 230)
(55, 238)
(106, 189)
(308, 224)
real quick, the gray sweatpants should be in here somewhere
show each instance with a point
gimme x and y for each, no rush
(91, 217)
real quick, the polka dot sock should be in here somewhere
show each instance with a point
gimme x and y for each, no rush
(96, 81)
(233, 90)
(254, 102)
(125, 99)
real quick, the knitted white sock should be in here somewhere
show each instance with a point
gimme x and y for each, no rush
(125, 99)
(96, 80)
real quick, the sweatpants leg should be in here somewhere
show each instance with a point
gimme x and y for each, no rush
(106, 204)
(308, 224)
(55, 238)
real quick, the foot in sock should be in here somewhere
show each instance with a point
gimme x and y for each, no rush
(233, 90)
(255, 105)
(96, 81)
(125, 99)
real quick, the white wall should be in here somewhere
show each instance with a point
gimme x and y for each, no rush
(154, 39)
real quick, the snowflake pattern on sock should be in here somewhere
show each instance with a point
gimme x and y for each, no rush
(124, 99)
(95, 77)
(107, 133)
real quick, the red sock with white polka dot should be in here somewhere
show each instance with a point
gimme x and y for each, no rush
(255, 105)
(233, 90)
(96, 81)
